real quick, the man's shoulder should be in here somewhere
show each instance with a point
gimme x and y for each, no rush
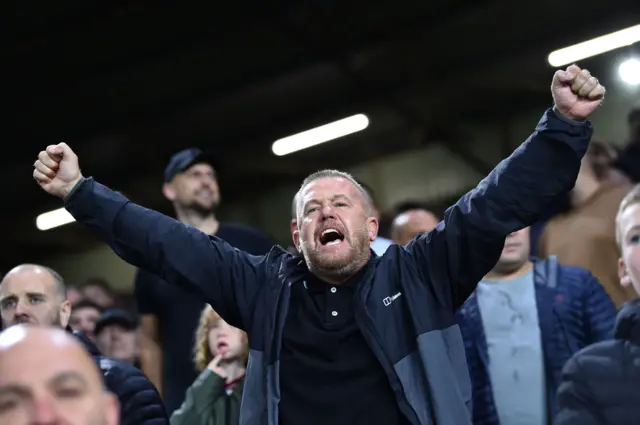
(567, 275)
(238, 228)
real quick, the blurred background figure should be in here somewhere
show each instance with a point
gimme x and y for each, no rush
(99, 291)
(47, 378)
(584, 236)
(411, 223)
(523, 322)
(168, 315)
(221, 354)
(84, 316)
(116, 335)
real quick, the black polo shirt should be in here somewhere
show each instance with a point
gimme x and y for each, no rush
(328, 373)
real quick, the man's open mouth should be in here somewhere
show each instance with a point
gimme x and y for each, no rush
(331, 236)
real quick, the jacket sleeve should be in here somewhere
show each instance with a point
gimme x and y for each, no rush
(140, 402)
(208, 267)
(575, 405)
(599, 311)
(467, 243)
(199, 400)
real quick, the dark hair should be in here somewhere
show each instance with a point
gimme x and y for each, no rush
(99, 282)
(85, 303)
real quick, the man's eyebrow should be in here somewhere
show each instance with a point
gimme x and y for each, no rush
(70, 375)
(14, 389)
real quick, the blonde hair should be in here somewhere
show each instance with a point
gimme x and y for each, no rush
(631, 198)
(202, 354)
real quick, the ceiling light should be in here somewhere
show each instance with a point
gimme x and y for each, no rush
(629, 71)
(55, 218)
(595, 46)
(319, 135)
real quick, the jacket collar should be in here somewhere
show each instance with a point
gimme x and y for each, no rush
(628, 322)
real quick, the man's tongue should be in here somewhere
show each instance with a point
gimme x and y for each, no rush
(330, 237)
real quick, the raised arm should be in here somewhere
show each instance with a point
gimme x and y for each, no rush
(456, 255)
(221, 275)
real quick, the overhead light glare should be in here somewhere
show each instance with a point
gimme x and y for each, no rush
(52, 219)
(596, 46)
(629, 71)
(318, 135)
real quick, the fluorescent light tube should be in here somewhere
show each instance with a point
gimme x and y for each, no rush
(55, 218)
(629, 71)
(319, 135)
(595, 46)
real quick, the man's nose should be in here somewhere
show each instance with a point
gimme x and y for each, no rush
(328, 211)
(45, 412)
(21, 307)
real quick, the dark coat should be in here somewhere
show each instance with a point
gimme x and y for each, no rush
(140, 402)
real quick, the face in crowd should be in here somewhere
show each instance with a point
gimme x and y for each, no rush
(195, 189)
(31, 294)
(335, 227)
(35, 390)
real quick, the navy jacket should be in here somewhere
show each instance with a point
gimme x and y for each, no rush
(573, 312)
(601, 383)
(140, 402)
(406, 300)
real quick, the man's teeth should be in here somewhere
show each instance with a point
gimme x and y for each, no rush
(336, 242)
(326, 232)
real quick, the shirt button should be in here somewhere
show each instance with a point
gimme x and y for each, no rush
(334, 289)
(334, 313)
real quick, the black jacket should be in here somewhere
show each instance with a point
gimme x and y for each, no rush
(140, 402)
(601, 383)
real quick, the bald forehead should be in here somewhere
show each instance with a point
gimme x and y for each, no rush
(29, 276)
(416, 217)
(31, 347)
(328, 188)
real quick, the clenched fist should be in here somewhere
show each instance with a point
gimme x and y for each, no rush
(57, 170)
(576, 93)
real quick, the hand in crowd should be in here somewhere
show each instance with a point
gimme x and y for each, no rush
(576, 93)
(214, 366)
(57, 170)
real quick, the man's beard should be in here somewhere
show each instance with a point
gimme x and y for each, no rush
(339, 268)
(200, 209)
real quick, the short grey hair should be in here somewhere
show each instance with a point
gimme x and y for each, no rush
(328, 173)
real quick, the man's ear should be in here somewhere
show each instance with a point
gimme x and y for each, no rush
(372, 227)
(169, 192)
(625, 279)
(65, 313)
(295, 233)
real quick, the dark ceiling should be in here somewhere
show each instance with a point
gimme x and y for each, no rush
(127, 83)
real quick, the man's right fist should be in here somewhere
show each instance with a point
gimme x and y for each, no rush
(57, 170)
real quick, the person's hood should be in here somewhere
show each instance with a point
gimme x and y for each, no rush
(628, 322)
(85, 341)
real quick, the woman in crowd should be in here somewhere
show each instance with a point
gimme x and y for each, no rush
(221, 354)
